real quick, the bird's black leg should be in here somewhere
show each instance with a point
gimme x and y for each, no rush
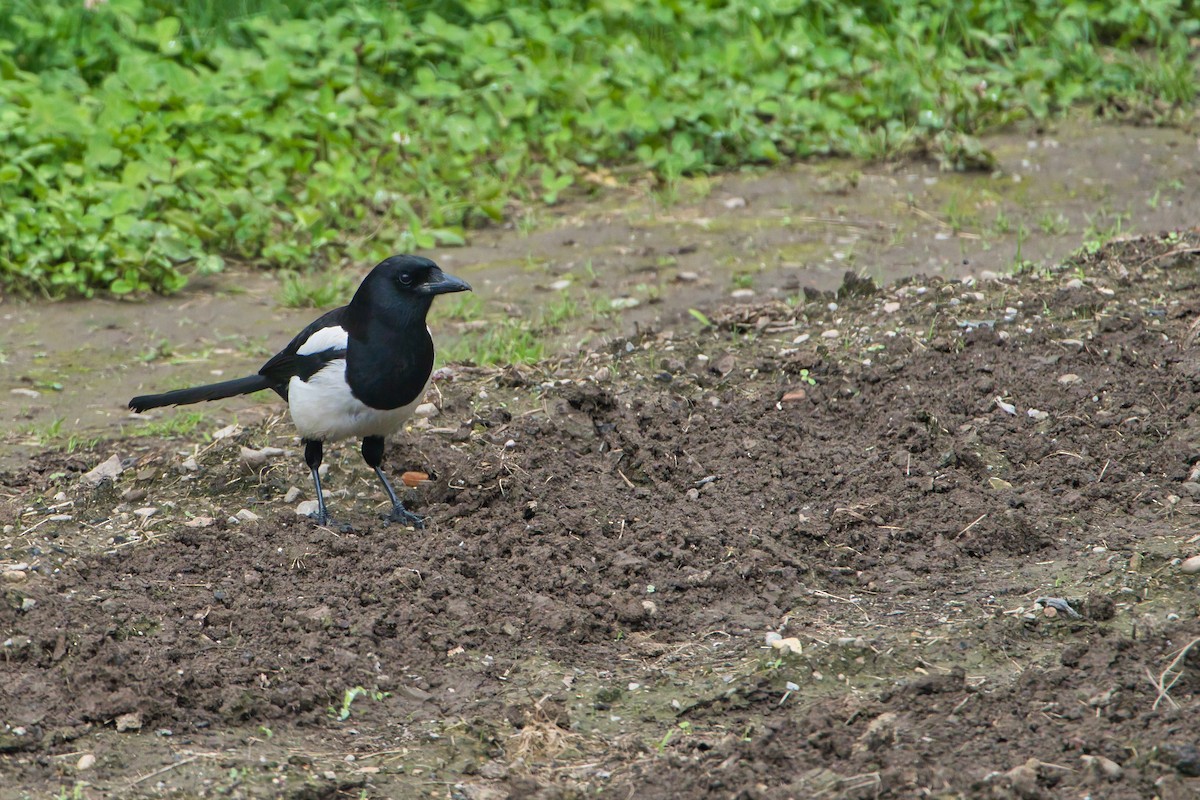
(313, 453)
(372, 453)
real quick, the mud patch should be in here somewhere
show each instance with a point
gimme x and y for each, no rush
(884, 481)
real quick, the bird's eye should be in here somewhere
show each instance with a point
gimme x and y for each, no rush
(405, 279)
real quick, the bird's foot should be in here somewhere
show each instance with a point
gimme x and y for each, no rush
(405, 517)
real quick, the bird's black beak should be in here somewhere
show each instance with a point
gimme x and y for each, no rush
(445, 284)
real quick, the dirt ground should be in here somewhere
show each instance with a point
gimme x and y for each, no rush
(797, 553)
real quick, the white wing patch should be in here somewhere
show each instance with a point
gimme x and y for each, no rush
(325, 339)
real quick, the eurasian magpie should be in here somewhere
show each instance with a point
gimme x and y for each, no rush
(357, 371)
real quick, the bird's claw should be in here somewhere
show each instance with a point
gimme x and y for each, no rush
(402, 515)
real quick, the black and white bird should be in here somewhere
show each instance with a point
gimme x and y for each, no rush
(359, 371)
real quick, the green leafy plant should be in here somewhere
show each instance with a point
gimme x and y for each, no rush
(349, 696)
(145, 141)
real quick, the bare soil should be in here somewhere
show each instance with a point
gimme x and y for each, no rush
(796, 554)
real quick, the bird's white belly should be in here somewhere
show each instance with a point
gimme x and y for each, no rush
(324, 409)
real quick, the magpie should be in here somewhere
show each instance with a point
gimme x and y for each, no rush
(358, 371)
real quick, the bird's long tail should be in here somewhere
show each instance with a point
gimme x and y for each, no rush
(213, 391)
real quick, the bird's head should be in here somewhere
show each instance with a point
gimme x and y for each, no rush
(403, 287)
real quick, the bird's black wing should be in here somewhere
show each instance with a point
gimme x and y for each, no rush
(289, 363)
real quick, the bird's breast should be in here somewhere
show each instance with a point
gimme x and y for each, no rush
(325, 408)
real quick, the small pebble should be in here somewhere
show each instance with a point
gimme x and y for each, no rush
(227, 431)
(891, 308)
(246, 515)
(129, 722)
(307, 508)
(14, 576)
(791, 645)
(426, 411)
(687, 277)
(189, 465)
(199, 522)
(802, 338)
(1069, 379)
(741, 294)
(146, 512)
(86, 761)
(832, 333)
(23, 392)
(1191, 566)
(293, 494)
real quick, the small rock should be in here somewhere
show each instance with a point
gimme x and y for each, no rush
(687, 277)
(999, 484)
(734, 202)
(1102, 767)
(426, 411)
(257, 459)
(129, 722)
(832, 333)
(891, 308)
(622, 303)
(293, 494)
(1075, 283)
(560, 284)
(1007, 408)
(413, 479)
(189, 465)
(802, 338)
(246, 515)
(789, 645)
(23, 392)
(226, 432)
(145, 513)
(199, 522)
(1037, 415)
(306, 508)
(14, 576)
(693, 494)
(650, 607)
(989, 275)
(1069, 379)
(86, 761)
(107, 471)
(1191, 566)
(794, 396)
(133, 495)
(742, 294)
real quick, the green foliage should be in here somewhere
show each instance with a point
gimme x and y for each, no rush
(349, 696)
(145, 140)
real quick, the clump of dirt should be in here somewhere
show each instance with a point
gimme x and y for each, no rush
(894, 480)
